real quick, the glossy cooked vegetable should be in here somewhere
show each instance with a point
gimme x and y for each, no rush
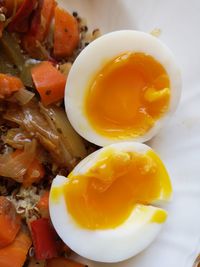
(43, 205)
(35, 263)
(66, 33)
(52, 129)
(16, 138)
(20, 21)
(1, 28)
(10, 222)
(39, 29)
(23, 96)
(9, 85)
(15, 166)
(63, 262)
(14, 255)
(49, 82)
(12, 49)
(44, 239)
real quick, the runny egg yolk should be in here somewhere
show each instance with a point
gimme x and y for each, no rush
(127, 96)
(105, 196)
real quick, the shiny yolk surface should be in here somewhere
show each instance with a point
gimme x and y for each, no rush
(127, 96)
(107, 193)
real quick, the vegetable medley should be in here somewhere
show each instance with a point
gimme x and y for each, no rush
(39, 41)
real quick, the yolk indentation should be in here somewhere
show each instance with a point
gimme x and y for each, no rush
(107, 193)
(127, 96)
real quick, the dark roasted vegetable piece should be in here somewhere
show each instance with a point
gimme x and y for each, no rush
(32, 42)
(20, 21)
(12, 49)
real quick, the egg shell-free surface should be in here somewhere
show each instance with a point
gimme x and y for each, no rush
(109, 245)
(94, 57)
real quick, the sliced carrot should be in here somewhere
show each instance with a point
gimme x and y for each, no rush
(46, 16)
(10, 222)
(43, 205)
(49, 82)
(34, 173)
(66, 33)
(39, 29)
(62, 262)
(14, 255)
(9, 84)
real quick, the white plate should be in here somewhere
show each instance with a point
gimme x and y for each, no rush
(179, 142)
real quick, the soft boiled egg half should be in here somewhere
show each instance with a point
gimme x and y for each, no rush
(108, 208)
(122, 87)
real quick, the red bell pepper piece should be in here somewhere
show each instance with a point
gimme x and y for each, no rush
(44, 239)
(20, 22)
(40, 26)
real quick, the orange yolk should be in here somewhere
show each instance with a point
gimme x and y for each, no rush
(107, 193)
(127, 96)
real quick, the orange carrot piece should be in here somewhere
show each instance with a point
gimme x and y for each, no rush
(34, 173)
(9, 84)
(14, 255)
(10, 222)
(61, 262)
(66, 33)
(43, 205)
(49, 82)
(46, 17)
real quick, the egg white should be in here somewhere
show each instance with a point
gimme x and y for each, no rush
(94, 57)
(109, 245)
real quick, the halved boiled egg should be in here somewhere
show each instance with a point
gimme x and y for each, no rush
(122, 87)
(106, 209)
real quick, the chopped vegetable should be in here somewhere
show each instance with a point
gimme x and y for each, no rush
(25, 74)
(52, 129)
(63, 262)
(49, 82)
(73, 142)
(34, 173)
(35, 263)
(66, 34)
(16, 138)
(14, 255)
(9, 85)
(20, 21)
(11, 6)
(39, 28)
(1, 28)
(65, 68)
(10, 222)
(44, 239)
(23, 96)
(43, 205)
(12, 49)
(15, 166)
